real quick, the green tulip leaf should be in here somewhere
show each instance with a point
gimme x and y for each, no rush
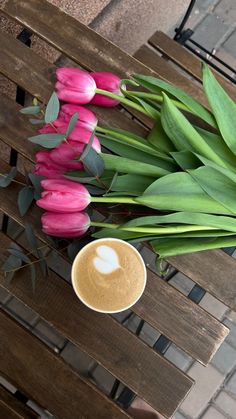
(157, 86)
(223, 107)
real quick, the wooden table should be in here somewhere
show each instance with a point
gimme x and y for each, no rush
(24, 359)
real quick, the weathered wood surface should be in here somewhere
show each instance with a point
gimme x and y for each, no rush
(47, 379)
(185, 59)
(118, 350)
(11, 408)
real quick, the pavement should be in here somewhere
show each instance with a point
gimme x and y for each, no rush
(214, 24)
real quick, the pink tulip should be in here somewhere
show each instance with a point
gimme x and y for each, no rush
(75, 85)
(45, 166)
(87, 119)
(65, 225)
(62, 195)
(106, 81)
(65, 155)
(79, 134)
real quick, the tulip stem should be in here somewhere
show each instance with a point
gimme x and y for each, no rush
(123, 100)
(113, 200)
(158, 98)
(104, 225)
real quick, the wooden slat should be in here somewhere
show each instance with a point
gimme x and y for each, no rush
(150, 58)
(186, 60)
(36, 75)
(161, 306)
(148, 374)
(213, 270)
(47, 379)
(11, 408)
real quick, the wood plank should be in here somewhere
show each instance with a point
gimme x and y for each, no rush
(150, 58)
(213, 270)
(36, 75)
(162, 306)
(33, 368)
(11, 408)
(148, 374)
(186, 60)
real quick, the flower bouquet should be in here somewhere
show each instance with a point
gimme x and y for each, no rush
(181, 179)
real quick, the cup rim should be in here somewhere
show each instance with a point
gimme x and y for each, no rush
(108, 311)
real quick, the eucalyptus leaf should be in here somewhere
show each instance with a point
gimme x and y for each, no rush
(37, 121)
(11, 263)
(93, 163)
(19, 253)
(6, 179)
(72, 124)
(25, 199)
(30, 110)
(223, 107)
(36, 182)
(94, 190)
(125, 165)
(47, 140)
(32, 240)
(52, 109)
(157, 86)
(87, 147)
(183, 135)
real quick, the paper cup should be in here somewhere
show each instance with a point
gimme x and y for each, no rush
(74, 273)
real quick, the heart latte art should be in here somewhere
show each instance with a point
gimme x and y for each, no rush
(109, 275)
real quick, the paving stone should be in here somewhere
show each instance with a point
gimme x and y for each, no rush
(21, 312)
(4, 296)
(213, 306)
(103, 379)
(129, 23)
(225, 358)
(178, 357)
(226, 10)
(43, 414)
(207, 381)
(212, 413)
(49, 335)
(230, 44)
(77, 358)
(182, 283)
(231, 338)
(231, 61)
(121, 316)
(206, 5)
(149, 334)
(226, 403)
(232, 316)
(206, 33)
(231, 385)
(178, 415)
(149, 258)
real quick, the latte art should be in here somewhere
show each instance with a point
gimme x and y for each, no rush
(107, 260)
(108, 275)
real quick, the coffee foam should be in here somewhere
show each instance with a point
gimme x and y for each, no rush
(109, 275)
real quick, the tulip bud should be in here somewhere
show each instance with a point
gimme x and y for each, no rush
(45, 166)
(66, 153)
(66, 224)
(106, 81)
(75, 85)
(87, 119)
(62, 195)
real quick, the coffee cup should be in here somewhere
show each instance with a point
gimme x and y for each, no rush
(109, 275)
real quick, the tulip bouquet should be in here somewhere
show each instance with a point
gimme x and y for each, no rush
(181, 178)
